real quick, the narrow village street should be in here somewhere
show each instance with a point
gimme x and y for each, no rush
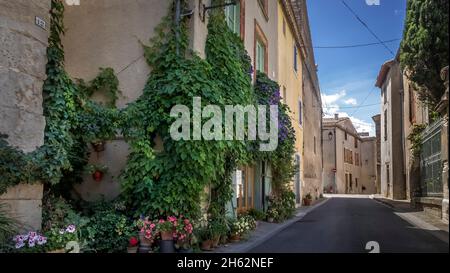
(346, 225)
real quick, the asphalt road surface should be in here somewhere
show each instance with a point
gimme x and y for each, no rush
(346, 225)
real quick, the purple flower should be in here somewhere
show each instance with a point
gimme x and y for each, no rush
(41, 240)
(71, 229)
(20, 245)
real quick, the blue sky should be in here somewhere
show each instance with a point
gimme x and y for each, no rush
(347, 76)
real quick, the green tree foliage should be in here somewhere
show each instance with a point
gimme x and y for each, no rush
(424, 50)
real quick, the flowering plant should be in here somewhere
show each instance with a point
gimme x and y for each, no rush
(168, 225)
(184, 232)
(133, 242)
(240, 227)
(58, 238)
(272, 214)
(147, 228)
(31, 241)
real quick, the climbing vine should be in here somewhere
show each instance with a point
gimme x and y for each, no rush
(170, 181)
(72, 120)
(416, 139)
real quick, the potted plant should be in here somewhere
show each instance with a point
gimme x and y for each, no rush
(167, 230)
(184, 235)
(205, 236)
(58, 239)
(147, 234)
(307, 200)
(133, 245)
(97, 171)
(218, 229)
(272, 215)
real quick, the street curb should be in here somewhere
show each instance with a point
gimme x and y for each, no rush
(384, 202)
(287, 224)
(417, 221)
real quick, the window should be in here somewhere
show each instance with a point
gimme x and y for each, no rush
(356, 182)
(388, 175)
(284, 27)
(346, 136)
(264, 5)
(356, 143)
(385, 125)
(300, 113)
(261, 50)
(315, 145)
(356, 159)
(412, 106)
(295, 58)
(260, 56)
(233, 17)
(348, 156)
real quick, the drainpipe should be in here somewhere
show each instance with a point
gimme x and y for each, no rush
(177, 24)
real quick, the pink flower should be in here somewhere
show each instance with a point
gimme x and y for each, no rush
(152, 226)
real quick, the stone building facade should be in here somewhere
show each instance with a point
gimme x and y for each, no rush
(349, 159)
(110, 33)
(390, 82)
(22, 73)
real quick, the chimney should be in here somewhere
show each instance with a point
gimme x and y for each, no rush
(336, 116)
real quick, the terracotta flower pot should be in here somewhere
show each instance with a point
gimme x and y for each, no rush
(235, 238)
(144, 241)
(307, 202)
(97, 176)
(167, 236)
(206, 245)
(133, 249)
(216, 241)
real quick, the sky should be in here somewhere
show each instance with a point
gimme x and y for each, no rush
(347, 76)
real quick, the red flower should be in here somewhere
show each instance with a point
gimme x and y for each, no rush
(133, 242)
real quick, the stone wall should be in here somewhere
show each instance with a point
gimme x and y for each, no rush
(443, 108)
(22, 72)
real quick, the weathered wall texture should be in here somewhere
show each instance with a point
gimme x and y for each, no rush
(108, 33)
(22, 73)
(290, 81)
(414, 113)
(392, 145)
(369, 165)
(377, 120)
(312, 109)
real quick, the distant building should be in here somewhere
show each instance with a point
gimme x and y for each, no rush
(390, 81)
(349, 159)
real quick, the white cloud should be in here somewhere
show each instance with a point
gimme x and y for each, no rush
(351, 101)
(330, 102)
(331, 107)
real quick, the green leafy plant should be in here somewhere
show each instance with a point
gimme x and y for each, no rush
(259, 215)
(416, 139)
(106, 82)
(8, 226)
(424, 49)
